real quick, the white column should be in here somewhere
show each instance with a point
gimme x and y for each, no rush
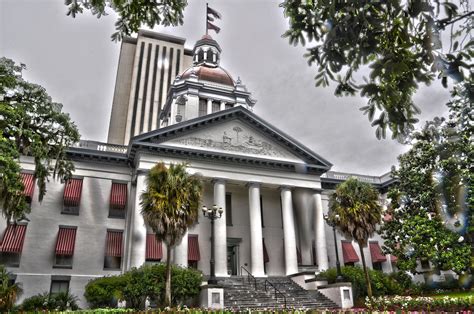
(180, 254)
(291, 260)
(223, 105)
(320, 234)
(138, 228)
(209, 106)
(256, 239)
(220, 231)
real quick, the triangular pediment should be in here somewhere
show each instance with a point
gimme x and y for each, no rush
(234, 132)
(237, 138)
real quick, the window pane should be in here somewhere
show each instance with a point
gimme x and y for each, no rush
(59, 286)
(112, 262)
(63, 260)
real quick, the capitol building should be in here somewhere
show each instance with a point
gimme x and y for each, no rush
(172, 104)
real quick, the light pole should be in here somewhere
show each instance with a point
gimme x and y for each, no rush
(332, 223)
(212, 214)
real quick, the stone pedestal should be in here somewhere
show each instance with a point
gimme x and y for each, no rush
(211, 297)
(340, 293)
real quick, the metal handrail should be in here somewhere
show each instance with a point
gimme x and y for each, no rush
(249, 277)
(276, 291)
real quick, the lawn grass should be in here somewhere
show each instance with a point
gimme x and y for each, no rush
(454, 294)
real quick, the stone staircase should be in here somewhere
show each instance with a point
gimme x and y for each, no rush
(240, 294)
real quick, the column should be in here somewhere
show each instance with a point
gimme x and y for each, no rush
(220, 231)
(320, 234)
(209, 106)
(291, 260)
(138, 228)
(223, 105)
(256, 242)
(180, 254)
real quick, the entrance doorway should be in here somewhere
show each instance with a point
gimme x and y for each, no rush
(233, 256)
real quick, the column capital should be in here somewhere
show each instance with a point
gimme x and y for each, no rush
(285, 187)
(317, 191)
(218, 180)
(253, 184)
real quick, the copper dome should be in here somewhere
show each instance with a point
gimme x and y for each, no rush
(210, 74)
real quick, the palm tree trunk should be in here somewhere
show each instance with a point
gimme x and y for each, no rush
(366, 272)
(168, 277)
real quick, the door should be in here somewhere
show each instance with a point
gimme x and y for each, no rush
(232, 259)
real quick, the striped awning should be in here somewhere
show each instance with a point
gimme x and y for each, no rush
(118, 195)
(194, 254)
(113, 243)
(376, 253)
(66, 241)
(72, 192)
(28, 180)
(266, 258)
(348, 252)
(154, 249)
(13, 239)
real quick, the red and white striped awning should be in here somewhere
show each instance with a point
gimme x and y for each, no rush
(266, 258)
(13, 238)
(118, 195)
(348, 252)
(376, 253)
(113, 243)
(28, 180)
(72, 192)
(66, 241)
(154, 249)
(194, 254)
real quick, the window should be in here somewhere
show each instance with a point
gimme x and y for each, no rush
(113, 250)
(118, 200)
(58, 286)
(12, 244)
(72, 196)
(216, 106)
(202, 107)
(210, 55)
(193, 264)
(261, 210)
(65, 243)
(377, 266)
(228, 209)
(10, 259)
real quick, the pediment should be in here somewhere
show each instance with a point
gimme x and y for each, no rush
(237, 138)
(233, 133)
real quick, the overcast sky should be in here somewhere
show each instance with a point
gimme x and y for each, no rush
(75, 60)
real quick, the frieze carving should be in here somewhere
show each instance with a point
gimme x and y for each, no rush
(232, 138)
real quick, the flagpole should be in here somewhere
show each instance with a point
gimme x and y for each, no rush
(206, 17)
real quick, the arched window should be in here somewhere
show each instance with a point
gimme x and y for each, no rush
(200, 55)
(210, 54)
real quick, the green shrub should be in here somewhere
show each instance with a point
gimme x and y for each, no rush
(138, 284)
(61, 301)
(104, 291)
(382, 284)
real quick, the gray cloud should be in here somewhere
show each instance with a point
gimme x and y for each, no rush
(76, 62)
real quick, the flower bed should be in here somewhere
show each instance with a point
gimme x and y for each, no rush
(419, 303)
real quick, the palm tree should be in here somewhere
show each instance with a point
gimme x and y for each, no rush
(8, 291)
(170, 205)
(356, 206)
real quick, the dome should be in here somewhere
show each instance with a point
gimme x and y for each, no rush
(210, 74)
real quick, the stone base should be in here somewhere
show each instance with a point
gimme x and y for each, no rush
(340, 293)
(212, 297)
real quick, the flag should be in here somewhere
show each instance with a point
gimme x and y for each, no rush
(213, 27)
(214, 14)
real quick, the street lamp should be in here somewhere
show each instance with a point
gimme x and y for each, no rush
(332, 223)
(213, 214)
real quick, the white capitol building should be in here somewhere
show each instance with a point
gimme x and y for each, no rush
(176, 105)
